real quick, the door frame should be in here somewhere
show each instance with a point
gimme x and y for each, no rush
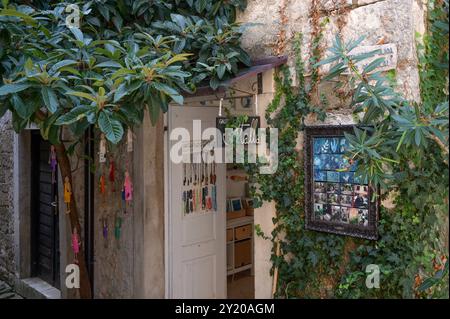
(168, 267)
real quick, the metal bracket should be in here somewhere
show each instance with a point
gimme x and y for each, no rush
(259, 78)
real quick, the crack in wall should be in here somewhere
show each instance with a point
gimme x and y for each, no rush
(349, 6)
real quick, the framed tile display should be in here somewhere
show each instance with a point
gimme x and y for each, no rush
(337, 200)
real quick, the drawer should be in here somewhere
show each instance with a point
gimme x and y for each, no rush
(242, 253)
(230, 234)
(243, 232)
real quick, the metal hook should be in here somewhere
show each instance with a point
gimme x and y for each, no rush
(220, 106)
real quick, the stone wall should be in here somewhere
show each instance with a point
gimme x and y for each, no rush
(272, 25)
(113, 270)
(7, 253)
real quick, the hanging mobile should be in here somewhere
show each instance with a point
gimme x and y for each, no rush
(67, 193)
(76, 243)
(53, 162)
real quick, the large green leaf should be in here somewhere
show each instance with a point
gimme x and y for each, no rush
(177, 97)
(76, 114)
(3, 109)
(61, 64)
(154, 108)
(13, 88)
(50, 99)
(24, 110)
(111, 127)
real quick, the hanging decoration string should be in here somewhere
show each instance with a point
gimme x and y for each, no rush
(256, 104)
(220, 106)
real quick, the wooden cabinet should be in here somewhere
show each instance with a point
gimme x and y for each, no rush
(243, 232)
(242, 253)
(239, 244)
(230, 236)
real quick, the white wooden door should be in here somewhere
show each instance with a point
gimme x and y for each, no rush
(197, 245)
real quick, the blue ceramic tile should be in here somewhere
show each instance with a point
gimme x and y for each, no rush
(343, 145)
(335, 161)
(359, 180)
(317, 144)
(346, 177)
(332, 176)
(334, 145)
(320, 176)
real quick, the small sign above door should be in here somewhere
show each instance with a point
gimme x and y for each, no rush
(246, 131)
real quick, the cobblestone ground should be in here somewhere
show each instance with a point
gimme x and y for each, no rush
(6, 292)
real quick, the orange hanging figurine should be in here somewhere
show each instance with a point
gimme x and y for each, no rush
(67, 193)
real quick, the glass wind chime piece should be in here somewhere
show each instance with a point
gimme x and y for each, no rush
(338, 194)
(199, 187)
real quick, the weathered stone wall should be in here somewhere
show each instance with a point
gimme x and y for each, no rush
(273, 24)
(7, 253)
(113, 271)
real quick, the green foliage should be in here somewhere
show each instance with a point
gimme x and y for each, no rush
(125, 57)
(401, 146)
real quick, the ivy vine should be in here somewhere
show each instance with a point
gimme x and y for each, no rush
(317, 265)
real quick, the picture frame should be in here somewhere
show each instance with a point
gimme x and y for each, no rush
(236, 204)
(336, 199)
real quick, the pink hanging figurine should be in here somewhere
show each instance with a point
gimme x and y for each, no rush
(52, 161)
(127, 188)
(75, 244)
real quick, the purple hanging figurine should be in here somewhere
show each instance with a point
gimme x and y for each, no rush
(52, 161)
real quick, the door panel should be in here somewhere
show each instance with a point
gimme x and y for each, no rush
(199, 277)
(197, 254)
(45, 226)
